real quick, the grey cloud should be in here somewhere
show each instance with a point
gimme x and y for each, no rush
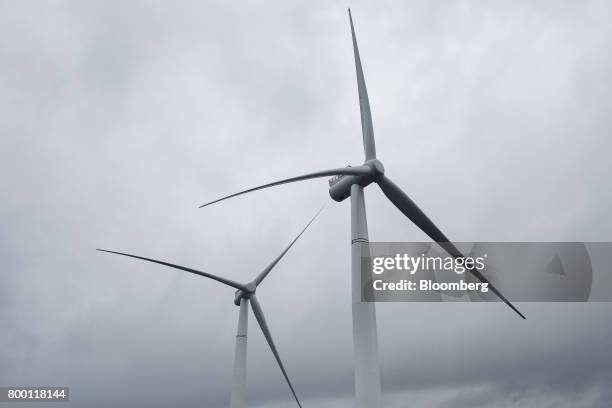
(118, 121)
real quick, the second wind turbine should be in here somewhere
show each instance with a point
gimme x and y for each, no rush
(245, 294)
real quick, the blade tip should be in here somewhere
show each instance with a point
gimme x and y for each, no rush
(517, 311)
(213, 202)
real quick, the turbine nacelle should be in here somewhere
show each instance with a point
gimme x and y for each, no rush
(249, 289)
(340, 187)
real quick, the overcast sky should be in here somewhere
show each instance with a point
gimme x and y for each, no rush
(119, 119)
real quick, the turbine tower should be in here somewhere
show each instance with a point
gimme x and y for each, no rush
(245, 294)
(350, 182)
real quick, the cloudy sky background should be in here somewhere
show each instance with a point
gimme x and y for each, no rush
(119, 119)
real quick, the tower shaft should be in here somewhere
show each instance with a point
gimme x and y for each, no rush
(365, 338)
(237, 397)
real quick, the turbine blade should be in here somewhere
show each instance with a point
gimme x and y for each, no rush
(367, 128)
(266, 332)
(228, 282)
(414, 213)
(350, 171)
(266, 271)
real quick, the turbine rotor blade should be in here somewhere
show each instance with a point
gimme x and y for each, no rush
(414, 213)
(266, 332)
(228, 282)
(411, 210)
(367, 128)
(345, 171)
(266, 271)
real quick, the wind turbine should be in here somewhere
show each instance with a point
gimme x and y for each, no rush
(350, 182)
(245, 294)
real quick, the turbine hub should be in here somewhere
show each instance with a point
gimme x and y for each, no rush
(377, 168)
(244, 294)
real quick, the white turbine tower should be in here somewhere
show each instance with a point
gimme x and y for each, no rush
(350, 182)
(245, 294)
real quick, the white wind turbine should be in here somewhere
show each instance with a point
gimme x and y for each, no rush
(350, 182)
(245, 294)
